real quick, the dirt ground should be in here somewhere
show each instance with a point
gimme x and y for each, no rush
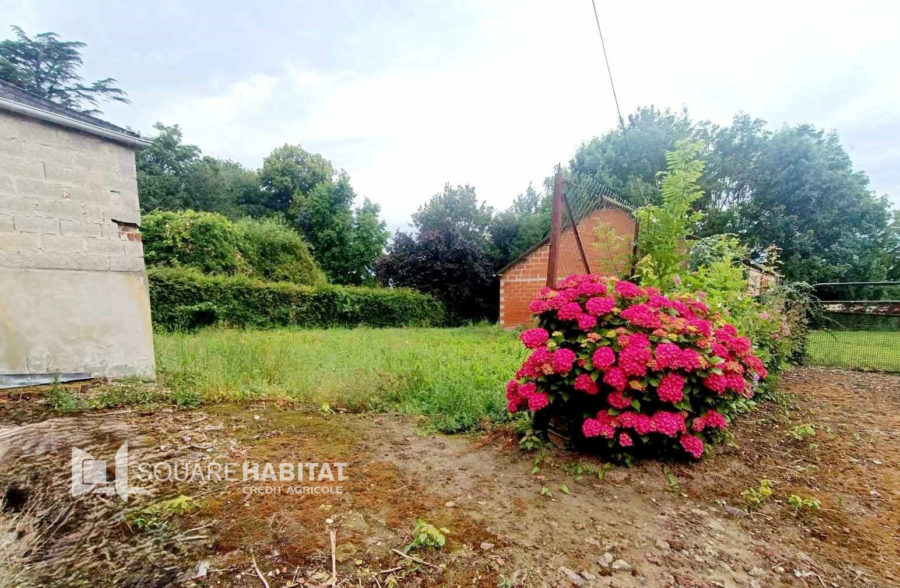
(654, 524)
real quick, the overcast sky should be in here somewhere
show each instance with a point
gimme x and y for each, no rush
(408, 95)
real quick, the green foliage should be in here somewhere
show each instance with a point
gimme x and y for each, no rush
(523, 224)
(754, 497)
(49, 68)
(426, 535)
(275, 252)
(449, 257)
(177, 296)
(203, 240)
(157, 516)
(454, 209)
(802, 431)
(665, 228)
(318, 202)
(267, 249)
(795, 188)
(797, 502)
(173, 175)
(64, 400)
(452, 266)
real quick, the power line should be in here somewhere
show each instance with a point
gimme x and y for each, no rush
(609, 71)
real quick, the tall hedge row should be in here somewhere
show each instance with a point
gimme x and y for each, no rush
(186, 299)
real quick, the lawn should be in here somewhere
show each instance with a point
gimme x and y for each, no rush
(868, 350)
(456, 376)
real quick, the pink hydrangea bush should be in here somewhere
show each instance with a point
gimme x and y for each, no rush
(632, 370)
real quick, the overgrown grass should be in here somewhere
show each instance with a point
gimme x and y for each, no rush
(866, 350)
(456, 376)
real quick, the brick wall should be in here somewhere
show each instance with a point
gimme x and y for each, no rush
(73, 291)
(68, 200)
(607, 253)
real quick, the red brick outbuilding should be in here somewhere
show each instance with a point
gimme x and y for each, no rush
(608, 234)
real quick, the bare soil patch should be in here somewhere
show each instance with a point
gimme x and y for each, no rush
(634, 527)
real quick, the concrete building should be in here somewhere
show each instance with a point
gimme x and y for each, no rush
(608, 234)
(73, 290)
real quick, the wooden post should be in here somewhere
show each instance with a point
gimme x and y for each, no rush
(584, 260)
(555, 227)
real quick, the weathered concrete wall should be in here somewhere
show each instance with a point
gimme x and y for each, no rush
(73, 291)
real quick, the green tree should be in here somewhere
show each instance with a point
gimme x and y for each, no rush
(48, 67)
(173, 175)
(628, 162)
(291, 170)
(520, 226)
(662, 242)
(454, 208)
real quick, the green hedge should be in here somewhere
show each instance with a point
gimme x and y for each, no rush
(184, 299)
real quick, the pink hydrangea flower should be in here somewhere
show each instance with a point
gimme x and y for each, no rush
(534, 338)
(616, 378)
(671, 388)
(691, 360)
(602, 426)
(527, 389)
(562, 360)
(512, 390)
(693, 445)
(740, 345)
(634, 359)
(600, 306)
(714, 420)
(727, 331)
(603, 358)
(628, 290)
(569, 311)
(668, 356)
(586, 322)
(716, 382)
(538, 306)
(701, 326)
(591, 289)
(537, 401)
(735, 382)
(625, 440)
(657, 301)
(668, 423)
(586, 384)
(642, 315)
(618, 400)
(513, 405)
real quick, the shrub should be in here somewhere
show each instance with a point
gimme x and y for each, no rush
(631, 370)
(182, 299)
(266, 249)
(277, 252)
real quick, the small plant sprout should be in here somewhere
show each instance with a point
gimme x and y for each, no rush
(754, 497)
(530, 442)
(426, 535)
(798, 503)
(802, 431)
(546, 492)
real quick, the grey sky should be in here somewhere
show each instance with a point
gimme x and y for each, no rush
(408, 95)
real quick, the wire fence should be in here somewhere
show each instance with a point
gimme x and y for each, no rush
(858, 326)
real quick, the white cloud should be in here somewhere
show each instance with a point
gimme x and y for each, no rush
(530, 85)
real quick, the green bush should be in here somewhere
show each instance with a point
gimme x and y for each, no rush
(184, 299)
(277, 252)
(262, 248)
(203, 240)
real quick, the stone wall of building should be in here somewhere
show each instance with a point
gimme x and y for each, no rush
(73, 290)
